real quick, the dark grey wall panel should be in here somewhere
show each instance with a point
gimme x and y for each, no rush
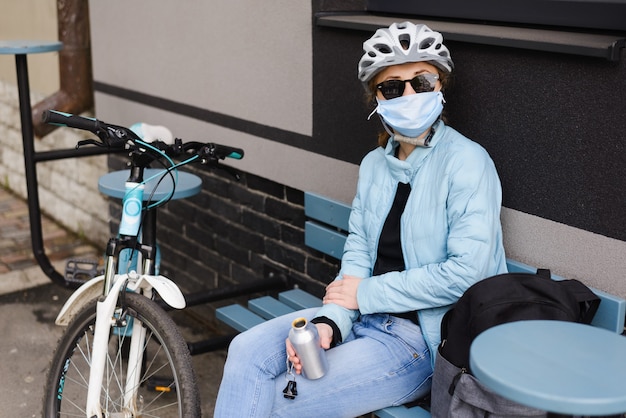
(555, 124)
(596, 14)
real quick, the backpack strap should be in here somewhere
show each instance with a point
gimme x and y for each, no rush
(544, 273)
(588, 301)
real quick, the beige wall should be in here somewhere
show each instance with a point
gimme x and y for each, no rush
(247, 59)
(32, 20)
(573, 253)
(68, 188)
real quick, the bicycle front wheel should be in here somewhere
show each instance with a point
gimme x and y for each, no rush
(167, 384)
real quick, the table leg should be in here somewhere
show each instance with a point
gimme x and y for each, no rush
(32, 191)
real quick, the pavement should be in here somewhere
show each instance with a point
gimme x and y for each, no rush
(30, 302)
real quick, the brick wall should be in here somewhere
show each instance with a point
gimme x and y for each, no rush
(236, 232)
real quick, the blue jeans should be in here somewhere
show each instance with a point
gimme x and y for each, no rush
(383, 362)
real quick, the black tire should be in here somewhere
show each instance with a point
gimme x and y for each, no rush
(167, 365)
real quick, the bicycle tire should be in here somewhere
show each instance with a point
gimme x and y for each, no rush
(166, 362)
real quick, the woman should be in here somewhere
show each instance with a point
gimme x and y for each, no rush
(425, 225)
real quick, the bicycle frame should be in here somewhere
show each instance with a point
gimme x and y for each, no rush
(115, 282)
(120, 313)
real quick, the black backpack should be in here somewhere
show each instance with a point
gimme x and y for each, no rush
(512, 297)
(496, 300)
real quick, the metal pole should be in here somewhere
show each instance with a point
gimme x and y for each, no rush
(34, 211)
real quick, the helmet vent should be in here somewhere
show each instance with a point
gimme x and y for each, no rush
(405, 41)
(382, 48)
(426, 43)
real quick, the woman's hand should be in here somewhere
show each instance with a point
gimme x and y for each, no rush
(325, 332)
(343, 292)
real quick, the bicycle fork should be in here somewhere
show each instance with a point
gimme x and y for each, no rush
(104, 315)
(107, 318)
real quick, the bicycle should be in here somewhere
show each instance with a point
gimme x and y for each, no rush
(121, 354)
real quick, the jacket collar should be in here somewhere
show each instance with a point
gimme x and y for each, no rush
(403, 171)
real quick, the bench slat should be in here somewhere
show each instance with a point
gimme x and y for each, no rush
(299, 299)
(324, 239)
(238, 317)
(516, 267)
(268, 307)
(329, 211)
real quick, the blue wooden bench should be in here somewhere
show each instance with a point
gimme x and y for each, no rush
(326, 231)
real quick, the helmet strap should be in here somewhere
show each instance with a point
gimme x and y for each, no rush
(419, 142)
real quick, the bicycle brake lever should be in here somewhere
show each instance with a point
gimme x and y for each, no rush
(89, 142)
(107, 144)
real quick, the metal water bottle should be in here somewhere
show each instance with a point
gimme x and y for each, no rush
(306, 342)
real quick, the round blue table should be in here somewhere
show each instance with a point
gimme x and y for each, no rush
(24, 47)
(560, 367)
(21, 48)
(113, 184)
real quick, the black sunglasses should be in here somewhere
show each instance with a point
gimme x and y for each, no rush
(421, 83)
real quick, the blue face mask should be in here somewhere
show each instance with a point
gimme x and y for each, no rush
(413, 114)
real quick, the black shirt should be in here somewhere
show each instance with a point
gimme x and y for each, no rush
(389, 256)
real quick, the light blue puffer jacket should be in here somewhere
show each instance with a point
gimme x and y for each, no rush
(450, 230)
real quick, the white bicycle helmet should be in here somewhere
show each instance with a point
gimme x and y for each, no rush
(401, 43)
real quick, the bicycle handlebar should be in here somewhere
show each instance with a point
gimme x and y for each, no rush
(220, 151)
(55, 117)
(111, 136)
(114, 136)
